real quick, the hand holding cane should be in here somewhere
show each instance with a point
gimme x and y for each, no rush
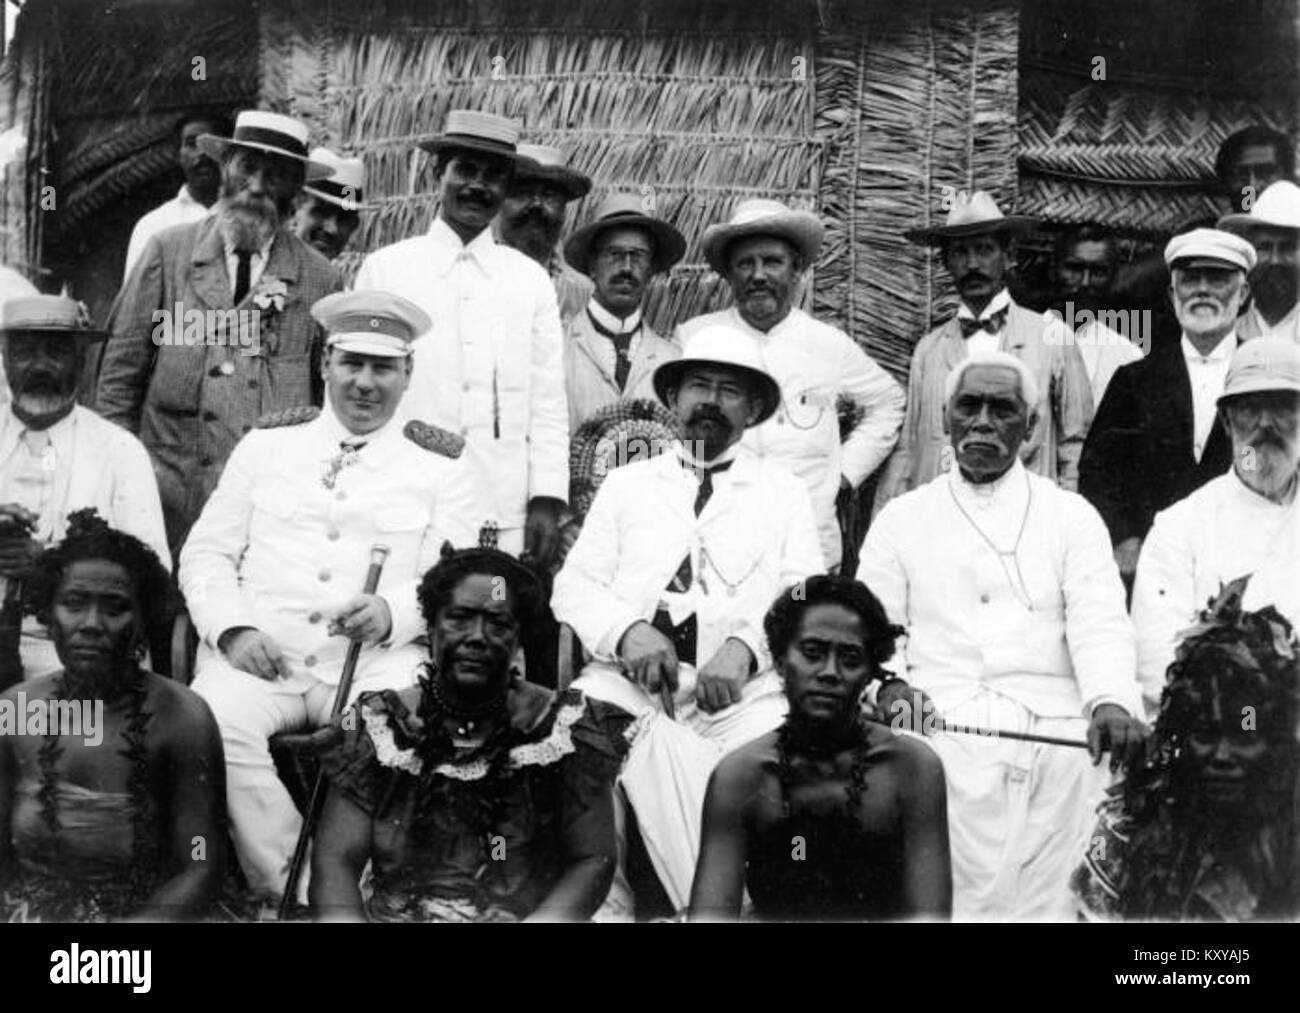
(378, 555)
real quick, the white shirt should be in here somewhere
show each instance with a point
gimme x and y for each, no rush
(180, 210)
(1043, 624)
(87, 462)
(256, 264)
(1208, 374)
(983, 341)
(492, 366)
(1222, 531)
(628, 325)
(1103, 351)
(814, 364)
(754, 538)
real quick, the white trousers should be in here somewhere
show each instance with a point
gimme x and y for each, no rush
(669, 764)
(1019, 813)
(249, 710)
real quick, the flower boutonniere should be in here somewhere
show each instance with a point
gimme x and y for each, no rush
(270, 295)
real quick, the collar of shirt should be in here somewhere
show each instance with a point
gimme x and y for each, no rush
(997, 304)
(256, 262)
(786, 325)
(184, 197)
(1004, 494)
(690, 461)
(448, 250)
(1220, 354)
(62, 433)
(607, 320)
(333, 433)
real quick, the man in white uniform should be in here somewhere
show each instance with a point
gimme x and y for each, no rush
(667, 585)
(763, 252)
(57, 456)
(1242, 523)
(1015, 620)
(492, 368)
(273, 568)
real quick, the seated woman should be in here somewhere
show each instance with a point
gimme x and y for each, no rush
(476, 796)
(829, 817)
(1203, 832)
(112, 782)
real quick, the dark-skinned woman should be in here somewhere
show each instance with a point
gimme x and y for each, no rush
(830, 817)
(475, 796)
(112, 795)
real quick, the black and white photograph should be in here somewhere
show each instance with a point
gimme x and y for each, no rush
(650, 461)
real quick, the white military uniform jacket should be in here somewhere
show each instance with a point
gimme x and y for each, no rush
(814, 363)
(1222, 531)
(492, 366)
(275, 549)
(755, 537)
(95, 464)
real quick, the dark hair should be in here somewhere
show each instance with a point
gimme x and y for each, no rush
(440, 581)
(1233, 656)
(1233, 145)
(782, 620)
(90, 537)
(223, 124)
(1086, 233)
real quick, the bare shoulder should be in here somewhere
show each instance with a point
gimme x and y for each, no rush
(742, 770)
(916, 761)
(178, 708)
(40, 688)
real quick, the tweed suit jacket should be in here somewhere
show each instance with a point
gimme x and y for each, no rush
(190, 401)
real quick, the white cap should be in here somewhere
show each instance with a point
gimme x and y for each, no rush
(1210, 247)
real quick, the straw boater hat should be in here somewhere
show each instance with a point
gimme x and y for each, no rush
(474, 131)
(537, 161)
(761, 217)
(370, 322)
(270, 133)
(52, 315)
(974, 215)
(1210, 248)
(345, 188)
(1278, 207)
(618, 210)
(721, 345)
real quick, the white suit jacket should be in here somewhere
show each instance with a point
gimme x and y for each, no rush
(967, 623)
(1222, 531)
(756, 536)
(492, 366)
(277, 550)
(100, 465)
(814, 363)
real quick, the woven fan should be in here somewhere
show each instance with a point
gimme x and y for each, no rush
(621, 433)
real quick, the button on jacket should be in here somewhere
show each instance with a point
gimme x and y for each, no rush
(492, 367)
(277, 549)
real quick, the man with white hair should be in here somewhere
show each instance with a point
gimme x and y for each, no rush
(1015, 620)
(1242, 523)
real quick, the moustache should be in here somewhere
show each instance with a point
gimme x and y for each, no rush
(708, 413)
(539, 217)
(623, 278)
(479, 197)
(970, 276)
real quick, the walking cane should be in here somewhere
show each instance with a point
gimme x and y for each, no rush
(994, 733)
(378, 554)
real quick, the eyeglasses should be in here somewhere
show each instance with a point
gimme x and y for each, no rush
(614, 257)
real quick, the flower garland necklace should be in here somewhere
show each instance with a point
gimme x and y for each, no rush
(789, 740)
(144, 843)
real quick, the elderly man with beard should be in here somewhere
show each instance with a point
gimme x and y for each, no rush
(1015, 620)
(492, 367)
(195, 197)
(1243, 522)
(1156, 436)
(978, 249)
(668, 583)
(56, 456)
(1272, 227)
(532, 217)
(274, 567)
(212, 329)
(763, 253)
(1084, 264)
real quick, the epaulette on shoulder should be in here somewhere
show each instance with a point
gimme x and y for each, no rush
(431, 438)
(288, 417)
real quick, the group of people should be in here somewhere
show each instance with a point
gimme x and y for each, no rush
(375, 492)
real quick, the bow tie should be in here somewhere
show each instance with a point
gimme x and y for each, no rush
(992, 324)
(352, 445)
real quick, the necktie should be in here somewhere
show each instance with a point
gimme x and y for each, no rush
(992, 324)
(706, 484)
(243, 274)
(622, 348)
(353, 445)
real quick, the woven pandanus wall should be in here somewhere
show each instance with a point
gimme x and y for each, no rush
(859, 115)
